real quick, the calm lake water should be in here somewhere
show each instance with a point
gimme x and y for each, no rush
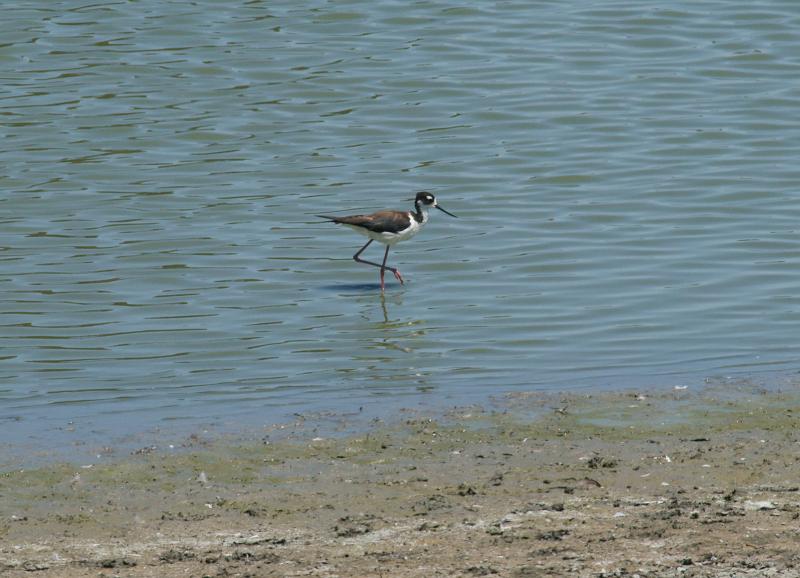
(625, 174)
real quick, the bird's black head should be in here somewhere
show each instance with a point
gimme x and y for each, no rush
(425, 198)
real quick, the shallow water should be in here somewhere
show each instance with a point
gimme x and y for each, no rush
(625, 177)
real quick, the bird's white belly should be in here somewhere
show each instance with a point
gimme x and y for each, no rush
(390, 238)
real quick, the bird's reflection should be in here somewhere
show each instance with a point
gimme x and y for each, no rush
(384, 309)
(385, 346)
(385, 304)
(353, 287)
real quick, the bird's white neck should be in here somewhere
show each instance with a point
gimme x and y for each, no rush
(421, 215)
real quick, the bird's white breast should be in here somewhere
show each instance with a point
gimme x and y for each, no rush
(390, 239)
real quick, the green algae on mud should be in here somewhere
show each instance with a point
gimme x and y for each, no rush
(630, 416)
(463, 491)
(636, 415)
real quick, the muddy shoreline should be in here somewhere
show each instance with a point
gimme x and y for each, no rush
(621, 484)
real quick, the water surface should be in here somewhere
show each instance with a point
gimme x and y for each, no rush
(625, 175)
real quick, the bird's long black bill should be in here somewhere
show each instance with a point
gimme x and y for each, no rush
(448, 212)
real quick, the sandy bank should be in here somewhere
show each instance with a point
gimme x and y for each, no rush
(670, 484)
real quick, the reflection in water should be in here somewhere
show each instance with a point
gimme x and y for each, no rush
(391, 348)
(383, 308)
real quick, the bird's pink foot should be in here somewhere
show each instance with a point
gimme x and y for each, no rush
(398, 276)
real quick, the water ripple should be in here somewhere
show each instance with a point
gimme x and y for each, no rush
(624, 176)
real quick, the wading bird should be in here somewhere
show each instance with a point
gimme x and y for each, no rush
(389, 228)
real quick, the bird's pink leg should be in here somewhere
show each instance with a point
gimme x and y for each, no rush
(394, 270)
(361, 250)
(382, 265)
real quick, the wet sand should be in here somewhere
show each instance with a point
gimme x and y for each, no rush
(622, 484)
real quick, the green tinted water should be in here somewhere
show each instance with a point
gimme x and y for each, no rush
(625, 176)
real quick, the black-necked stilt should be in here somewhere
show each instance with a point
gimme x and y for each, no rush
(389, 228)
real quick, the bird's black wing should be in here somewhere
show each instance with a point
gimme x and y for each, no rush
(379, 222)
